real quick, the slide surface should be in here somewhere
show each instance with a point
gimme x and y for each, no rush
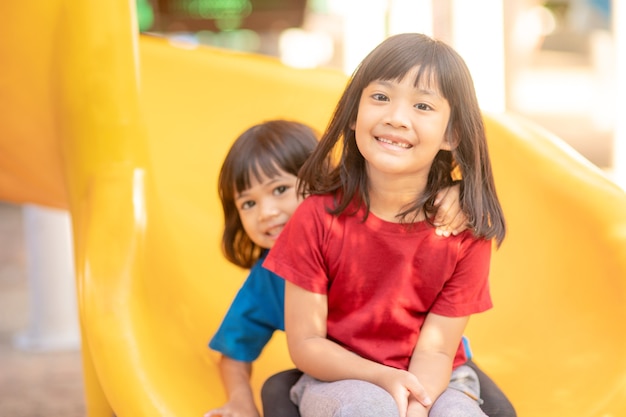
(129, 133)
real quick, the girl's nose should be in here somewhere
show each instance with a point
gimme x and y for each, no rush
(268, 210)
(398, 115)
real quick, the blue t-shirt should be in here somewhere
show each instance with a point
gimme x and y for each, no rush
(256, 312)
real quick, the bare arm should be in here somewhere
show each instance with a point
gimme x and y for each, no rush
(434, 355)
(236, 380)
(450, 219)
(314, 354)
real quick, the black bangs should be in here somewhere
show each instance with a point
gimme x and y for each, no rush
(257, 162)
(263, 168)
(271, 149)
(397, 57)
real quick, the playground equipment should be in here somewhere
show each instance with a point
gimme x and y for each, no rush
(128, 132)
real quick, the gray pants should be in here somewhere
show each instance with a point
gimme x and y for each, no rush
(354, 398)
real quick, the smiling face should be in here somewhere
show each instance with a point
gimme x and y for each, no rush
(266, 205)
(400, 127)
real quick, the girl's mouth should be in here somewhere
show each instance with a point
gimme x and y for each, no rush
(275, 230)
(402, 145)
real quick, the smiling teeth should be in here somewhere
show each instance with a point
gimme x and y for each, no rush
(274, 231)
(400, 145)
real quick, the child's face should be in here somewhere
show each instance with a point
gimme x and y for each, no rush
(265, 207)
(400, 128)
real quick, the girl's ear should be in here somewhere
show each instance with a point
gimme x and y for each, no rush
(353, 125)
(451, 142)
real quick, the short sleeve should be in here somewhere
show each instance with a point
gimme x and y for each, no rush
(298, 254)
(467, 291)
(255, 313)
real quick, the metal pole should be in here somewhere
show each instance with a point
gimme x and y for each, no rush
(53, 316)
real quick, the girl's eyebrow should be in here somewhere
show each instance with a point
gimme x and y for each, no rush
(384, 83)
(240, 195)
(278, 178)
(428, 91)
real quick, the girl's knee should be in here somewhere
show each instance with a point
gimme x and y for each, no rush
(453, 403)
(348, 398)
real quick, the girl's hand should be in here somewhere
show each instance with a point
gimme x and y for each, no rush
(450, 219)
(405, 389)
(416, 409)
(232, 409)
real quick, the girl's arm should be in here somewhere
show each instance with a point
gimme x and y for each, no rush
(236, 380)
(434, 354)
(314, 354)
(450, 218)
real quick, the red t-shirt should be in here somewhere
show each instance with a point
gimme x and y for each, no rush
(381, 279)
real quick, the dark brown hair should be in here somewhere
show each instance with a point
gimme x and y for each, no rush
(442, 67)
(264, 149)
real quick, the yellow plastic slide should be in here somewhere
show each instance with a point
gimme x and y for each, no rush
(128, 133)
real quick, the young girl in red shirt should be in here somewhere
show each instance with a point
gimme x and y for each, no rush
(375, 302)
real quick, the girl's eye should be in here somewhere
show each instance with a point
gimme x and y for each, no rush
(422, 106)
(280, 189)
(380, 97)
(247, 205)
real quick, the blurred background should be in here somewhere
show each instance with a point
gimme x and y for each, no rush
(553, 62)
